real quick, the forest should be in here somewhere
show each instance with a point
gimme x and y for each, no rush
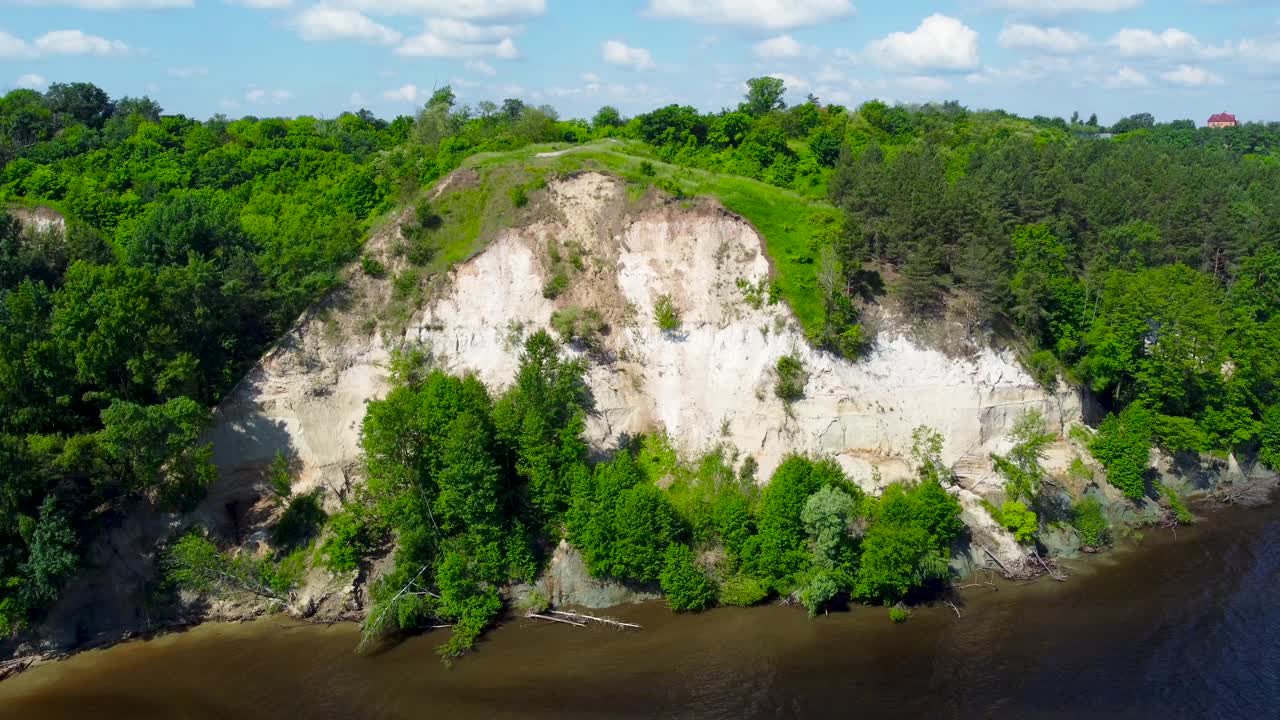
(1141, 261)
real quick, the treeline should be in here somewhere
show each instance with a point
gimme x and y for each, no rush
(189, 247)
(1145, 270)
(475, 491)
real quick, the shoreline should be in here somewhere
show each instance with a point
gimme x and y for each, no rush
(1084, 564)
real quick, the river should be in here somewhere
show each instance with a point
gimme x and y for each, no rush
(1181, 626)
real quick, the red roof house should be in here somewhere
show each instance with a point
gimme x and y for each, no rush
(1222, 120)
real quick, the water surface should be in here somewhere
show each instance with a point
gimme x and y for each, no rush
(1181, 627)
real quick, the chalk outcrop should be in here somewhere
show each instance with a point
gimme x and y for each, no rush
(709, 382)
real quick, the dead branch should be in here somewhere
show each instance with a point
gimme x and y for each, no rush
(538, 616)
(952, 605)
(592, 618)
(993, 557)
(1250, 493)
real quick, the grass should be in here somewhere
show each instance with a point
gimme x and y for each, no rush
(787, 220)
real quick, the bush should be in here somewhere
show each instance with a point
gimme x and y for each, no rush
(742, 591)
(1091, 522)
(898, 615)
(576, 324)
(646, 168)
(347, 542)
(1123, 446)
(821, 589)
(1179, 508)
(792, 378)
(372, 266)
(300, 522)
(519, 196)
(280, 477)
(666, 314)
(686, 586)
(1019, 520)
(556, 286)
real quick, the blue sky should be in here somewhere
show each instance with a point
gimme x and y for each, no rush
(1173, 58)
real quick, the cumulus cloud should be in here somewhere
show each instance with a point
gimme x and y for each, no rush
(1189, 76)
(783, 46)
(939, 43)
(619, 53)
(263, 96)
(1059, 7)
(1145, 43)
(793, 82)
(31, 81)
(405, 93)
(1259, 51)
(187, 72)
(772, 14)
(328, 23)
(480, 66)
(112, 4)
(450, 38)
(1045, 39)
(464, 9)
(1126, 78)
(76, 42)
(12, 47)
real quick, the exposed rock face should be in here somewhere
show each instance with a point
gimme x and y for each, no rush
(710, 382)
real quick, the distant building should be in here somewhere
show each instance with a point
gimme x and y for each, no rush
(1222, 120)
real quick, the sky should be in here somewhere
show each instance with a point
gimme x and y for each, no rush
(1173, 58)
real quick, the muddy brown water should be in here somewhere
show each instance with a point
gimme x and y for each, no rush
(1179, 627)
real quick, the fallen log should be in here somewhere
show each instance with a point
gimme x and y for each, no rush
(539, 616)
(592, 618)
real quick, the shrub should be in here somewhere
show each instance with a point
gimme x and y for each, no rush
(372, 266)
(1091, 522)
(348, 540)
(279, 476)
(742, 591)
(666, 314)
(1019, 520)
(1177, 506)
(1123, 446)
(821, 589)
(646, 168)
(898, 615)
(425, 216)
(792, 378)
(671, 187)
(300, 522)
(576, 324)
(686, 586)
(556, 286)
(519, 196)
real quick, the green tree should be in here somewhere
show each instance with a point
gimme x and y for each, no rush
(764, 95)
(685, 585)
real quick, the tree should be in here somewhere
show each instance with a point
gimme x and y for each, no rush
(442, 98)
(52, 557)
(764, 95)
(1123, 446)
(778, 554)
(1021, 468)
(686, 586)
(607, 117)
(81, 102)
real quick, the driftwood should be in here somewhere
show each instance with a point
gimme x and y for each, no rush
(539, 616)
(581, 620)
(1250, 493)
(952, 605)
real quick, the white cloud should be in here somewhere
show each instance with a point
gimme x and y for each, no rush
(326, 23)
(1058, 7)
(263, 4)
(1046, 39)
(773, 14)
(940, 42)
(482, 67)
(793, 82)
(783, 46)
(76, 42)
(12, 47)
(405, 93)
(1145, 43)
(111, 4)
(451, 38)
(590, 78)
(188, 72)
(466, 9)
(1126, 78)
(263, 96)
(1257, 51)
(619, 53)
(31, 81)
(1189, 76)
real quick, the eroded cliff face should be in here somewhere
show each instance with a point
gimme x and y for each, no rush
(708, 383)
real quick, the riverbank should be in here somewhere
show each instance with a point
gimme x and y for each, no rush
(1180, 625)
